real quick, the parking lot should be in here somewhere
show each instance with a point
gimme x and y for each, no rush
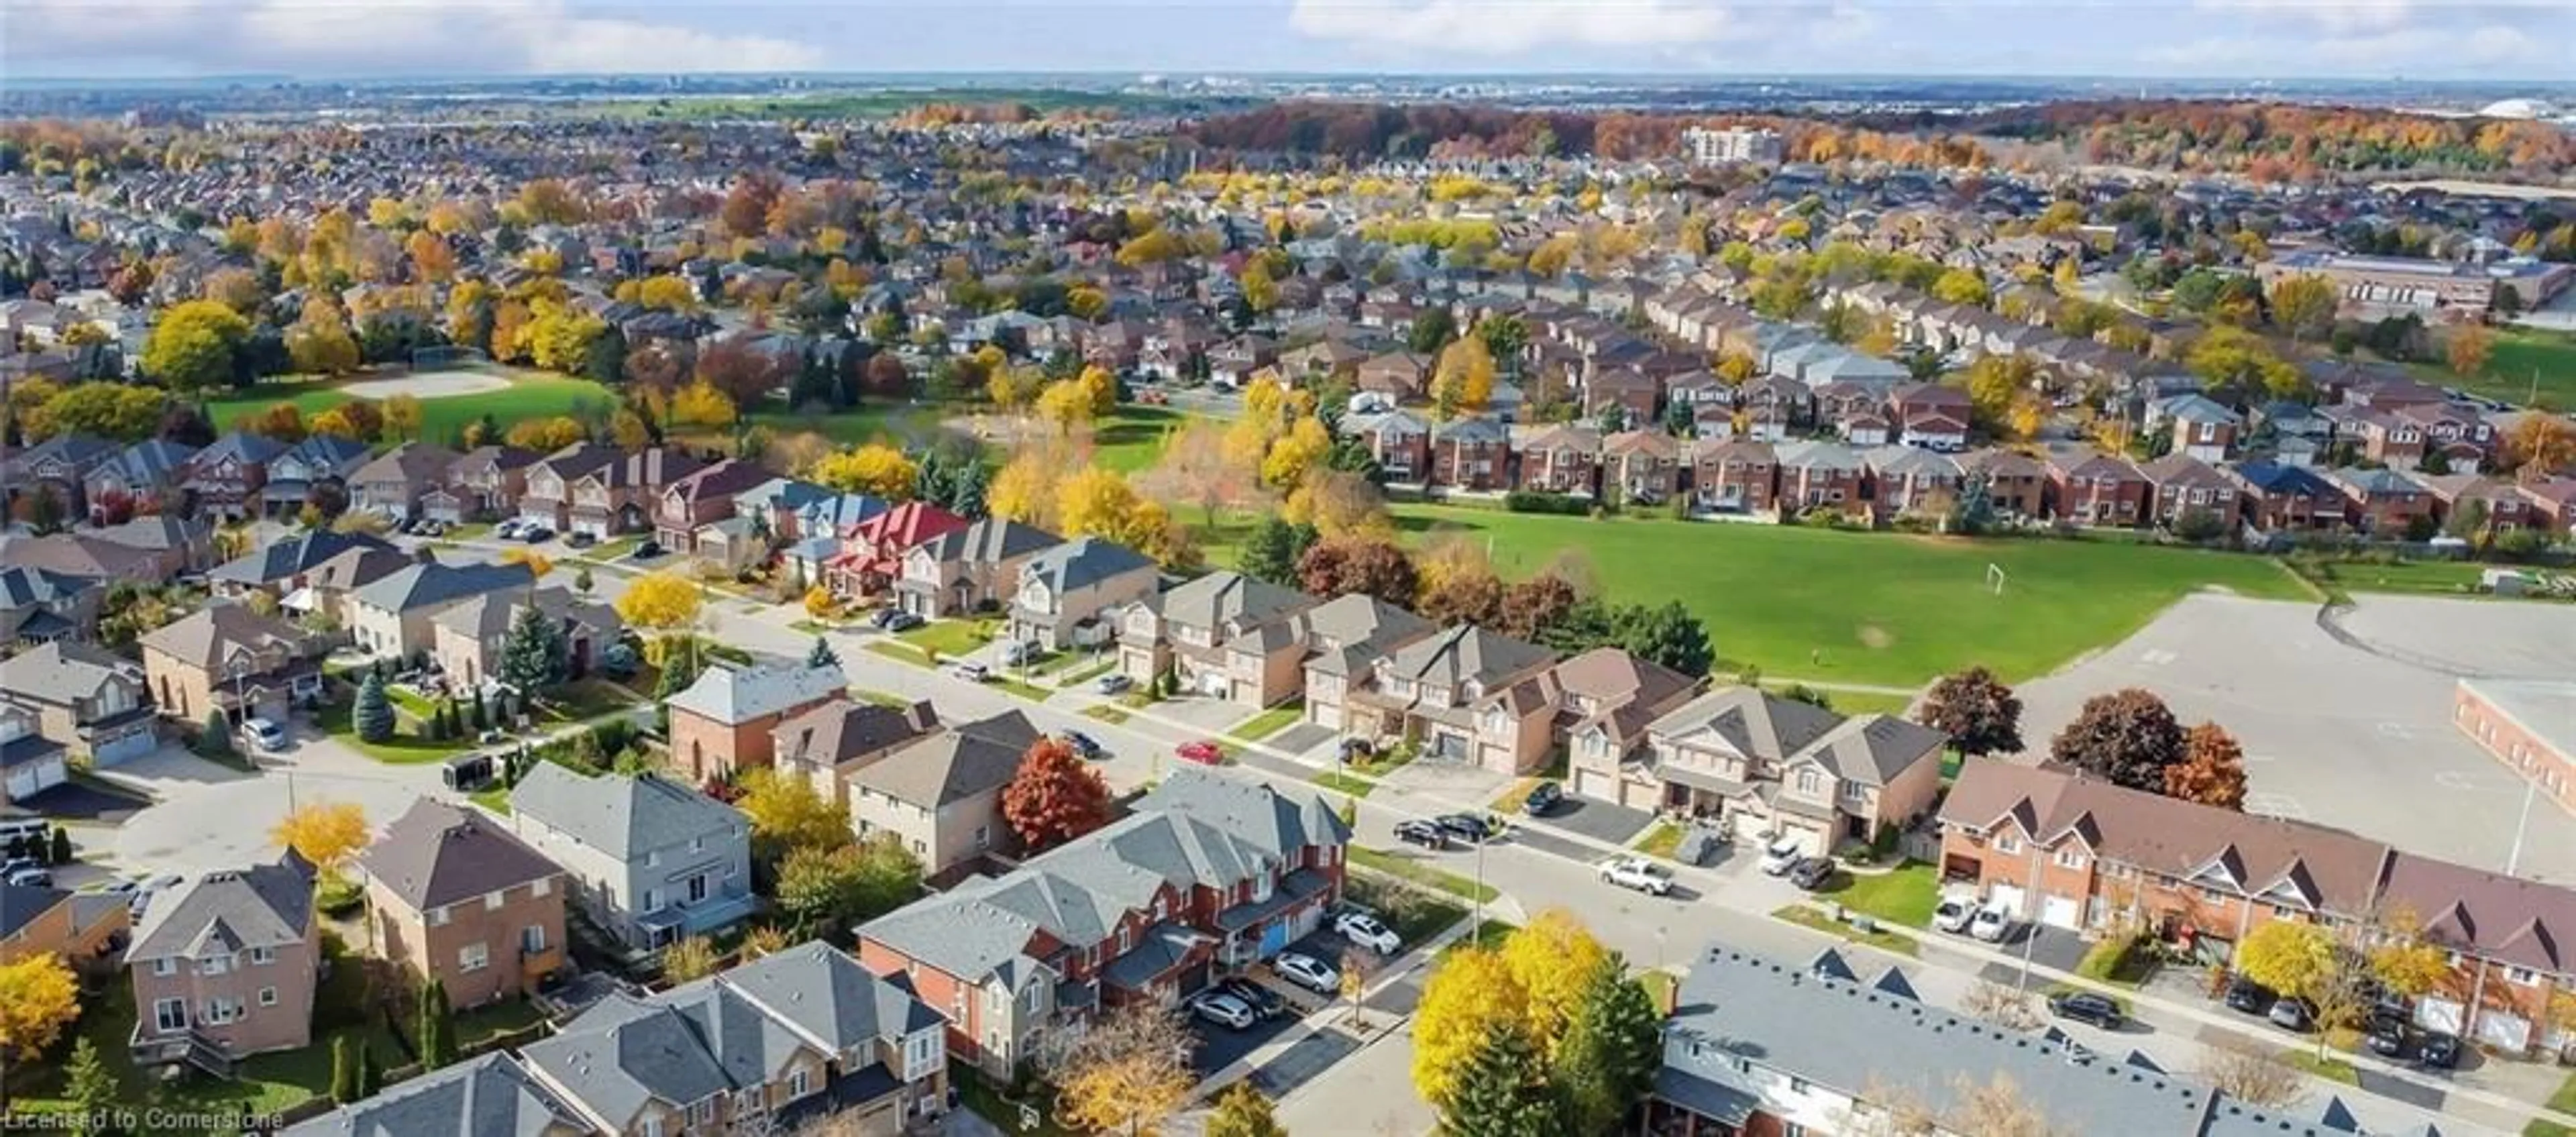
(1221, 1046)
(2357, 737)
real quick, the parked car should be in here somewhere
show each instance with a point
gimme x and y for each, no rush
(1423, 833)
(580, 541)
(970, 671)
(2293, 1013)
(1812, 873)
(1263, 1001)
(644, 551)
(1114, 684)
(2387, 1033)
(264, 735)
(904, 622)
(1637, 873)
(1471, 828)
(26, 872)
(1365, 930)
(1203, 751)
(148, 888)
(2249, 997)
(1084, 746)
(1779, 857)
(1017, 652)
(2087, 1007)
(2438, 1050)
(1543, 799)
(1308, 972)
(1991, 924)
(536, 534)
(1357, 750)
(1222, 1009)
(1953, 914)
(508, 530)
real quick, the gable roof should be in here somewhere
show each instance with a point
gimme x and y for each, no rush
(1750, 721)
(202, 638)
(1464, 653)
(491, 1095)
(1223, 597)
(234, 910)
(733, 694)
(61, 672)
(620, 814)
(1081, 563)
(421, 585)
(437, 854)
(953, 764)
(845, 728)
(280, 560)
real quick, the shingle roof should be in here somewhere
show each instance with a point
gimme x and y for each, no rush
(735, 695)
(279, 560)
(437, 854)
(202, 638)
(487, 1096)
(1081, 563)
(1223, 597)
(989, 541)
(21, 904)
(434, 583)
(260, 906)
(843, 729)
(950, 765)
(620, 814)
(62, 672)
(1466, 653)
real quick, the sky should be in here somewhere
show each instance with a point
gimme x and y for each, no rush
(2240, 39)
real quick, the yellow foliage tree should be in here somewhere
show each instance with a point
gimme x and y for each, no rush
(320, 342)
(38, 998)
(1296, 452)
(1102, 388)
(1024, 490)
(1066, 404)
(701, 404)
(324, 833)
(1470, 995)
(819, 602)
(1464, 381)
(875, 468)
(663, 601)
(538, 563)
(668, 293)
(402, 414)
(1550, 959)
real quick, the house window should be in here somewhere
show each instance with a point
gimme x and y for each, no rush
(2069, 859)
(170, 1016)
(798, 1085)
(268, 996)
(544, 886)
(438, 916)
(220, 1012)
(165, 966)
(215, 965)
(2007, 843)
(702, 1110)
(261, 955)
(983, 837)
(1122, 940)
(532, 939)
(1158, 909)
(492, 901)
(697, 889)
(1809, 781)
(473, 957)
(2522, 977)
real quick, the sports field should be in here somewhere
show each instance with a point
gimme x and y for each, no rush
(530, 394)
(1867, 608)
(2527, 363)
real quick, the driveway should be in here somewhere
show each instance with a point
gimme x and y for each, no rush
(211, 817)
(1600, 820)
(1213, 716)
(1302, 737)
(78, 803)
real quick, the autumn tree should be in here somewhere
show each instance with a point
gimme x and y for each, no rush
(1463, 381)
(1128, 1073)
(193, 344)
(38, 998)
(2468, 348)
(688, 958)
(2541, 442)
(1499, 1091)
(828, 887)
(320, 343)
(787, 813)
(545, 434)
(325, 833)
(1099, 502)
(1196, 470)
(876, 469)
(2252, 1074)
(2238, 364)
(1337, 566)
(2212, 770)
(2304, 306)
(1241, 1111)
(663, 602)
(1054, 797)
(1976, 710)
(1470, 997)
(2127, 738)
(1611, 1051)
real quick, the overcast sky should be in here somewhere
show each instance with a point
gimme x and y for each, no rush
(2250, 39)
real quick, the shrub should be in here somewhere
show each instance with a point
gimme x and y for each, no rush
(1533, 501)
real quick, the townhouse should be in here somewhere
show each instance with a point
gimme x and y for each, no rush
(1345, 637)
(690, 506)
(396, 484)
(2089, 487)
(1734, 476)
(1471, 454)
(456, 899)
(2069, 851)
(467, 639)
(647, 859)
(489, 1093)
(485, 482)
(1562, 459)
(2181, 486)
(1463, 695)
(224, 967)
(1224, 635)
(1207, 873)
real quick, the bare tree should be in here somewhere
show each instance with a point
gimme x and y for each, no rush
(1128, 1074)
(2251, 1075)
(1992, 1002)
(1996, 1108)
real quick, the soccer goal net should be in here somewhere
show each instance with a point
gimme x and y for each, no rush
(450, 357)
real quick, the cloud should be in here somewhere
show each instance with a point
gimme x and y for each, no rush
(373, 37)
(2369, 36)
(1514, 27)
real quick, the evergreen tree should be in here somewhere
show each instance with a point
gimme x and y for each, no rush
(822, 655)
(370, 1079)
(373, 714)
(92, 1090)
(437, 1030)
(216, 741)
(534, 657)
(581, 580)
(1275, 547)
(482, 718)
(966, 489)
(1607, 1060)
(1499, 1093)
(62, 847)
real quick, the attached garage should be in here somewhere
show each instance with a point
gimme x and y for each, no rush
(2061, 912)
(1599, 785)
(2007, 895)
(29, 778)
(2507, 1032)
(2444, 1015)
(123, 743)
(1325, 715)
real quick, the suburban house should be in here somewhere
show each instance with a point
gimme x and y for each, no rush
(30, 763)
(228, 660)
(146, 474)
(1562, 459)
(392, 617)
(701, 499)
(1066, 589)
(296, 473)
(1734, 475)
(872, 550)
(1224, 635)
(1472, 454)
(648, 860)
(1344, 639)
(2201, 427)
(2182, 486)
(547, 496)
(1465, 695)
(487, 481)
(457, 899)
(1608, 695)
(2074, 852)
(1400, 441)
(486, 1094)
(1643, 467)
(1758, 1046)
(395, 484)
(2090, 488)
(78, 927)
(91, 701)
(941, 794)
(224, 967)
(467, 638)
(225, 478)
(725, 721)
(835, 739)
(2282, 498)
(2016, 485)
(766, 1047)
(1771, 765)
(2383, 503)
(1207, 872)
(281, 567)
(39, 605)
(967, 569)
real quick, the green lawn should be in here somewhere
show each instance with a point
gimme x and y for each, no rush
(1660, 841)
(1411, 869)
(495, 798)
(1269, 722)
(2328, 1067)
(2521, 354)
(1488, 935)
(873, 422)
(1867, 608)
(951, 638)
(1900, 896)
(2543, 1127)
(531, 394)
(1131, 438)
(1080, 676)
(2426, 578)
(1105, 712)
(899, 651)
(1864, 702)
(1807, 917)
(403, 749)
(1344, 783)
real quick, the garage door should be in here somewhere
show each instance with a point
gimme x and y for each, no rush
(22, 784)
(1597, 784)
(2007, 895)
(2438, 1014)
(132, 744)
(2061, 912)
(2509, 1033)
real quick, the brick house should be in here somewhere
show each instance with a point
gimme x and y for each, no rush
(225, 478)
(1472, 454)
(1641, 466)
(2201, 427)
(829, 743)
(1465, 695)
(1399, 440)
(2286, 499)
(2087, 487)
(229, 660)
(457, 899)
(1208, 873)
(1224, 635)
(1908, 482)
(970, 569)
(487, 481)
(2183, 484)
(1559, 459)
(1769, 764)
(1822, 476)
(83, 929)
(2016, 484)
(225, 967)
(2382, 503)
(702, 498)
(726, 721)
(872, 550)
(1734, 475)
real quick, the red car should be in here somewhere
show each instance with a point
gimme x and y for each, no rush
(1203, 752)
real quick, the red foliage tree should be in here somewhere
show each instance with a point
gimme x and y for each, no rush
(1367, 567)
(744, 373)
(1054, 798)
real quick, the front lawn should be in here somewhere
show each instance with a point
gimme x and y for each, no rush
(1660, 841)
(1903, 895)
(1867, 608)
(905, 652)
(1412, 869)
(1269, 722)
(1807, 917)
(2328, 1067)
(1080, 676)
(1105, 712)
(495, 797)
(1415, 916)
(403, 749)
(948, 639)
(1344, 783)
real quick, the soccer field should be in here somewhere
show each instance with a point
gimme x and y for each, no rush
(529, 395)
(1867, 608)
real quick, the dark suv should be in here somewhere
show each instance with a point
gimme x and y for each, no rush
(2250, 997)
(2087, 1007)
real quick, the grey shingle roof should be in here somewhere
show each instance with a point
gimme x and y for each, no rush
(620, 814)
(1874, 749)
(280, 560)
(62, 672)
(1081, 563)
(1466, 652)
(736, 695)
(435, 583)
(844, 728)
(950, 765)
(1223, 596)
(989, 541)
(488, 1096)
(1753, 722)
(202, 637)
(21, 904)
(260, 906)
(437, 854)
